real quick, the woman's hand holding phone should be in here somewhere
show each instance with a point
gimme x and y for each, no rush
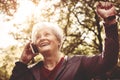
(34, 48)
(27, 54)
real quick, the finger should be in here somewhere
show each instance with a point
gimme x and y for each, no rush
(108, 5)
(114, 10)
(101, 5)
(96, 4)
(27, 46)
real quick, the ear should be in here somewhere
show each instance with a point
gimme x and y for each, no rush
(59, 44)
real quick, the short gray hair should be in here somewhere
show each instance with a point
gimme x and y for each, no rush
(57, 31)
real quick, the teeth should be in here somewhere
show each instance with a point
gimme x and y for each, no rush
(44, 44)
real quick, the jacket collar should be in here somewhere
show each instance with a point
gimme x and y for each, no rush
(62, 68)
(36, 72)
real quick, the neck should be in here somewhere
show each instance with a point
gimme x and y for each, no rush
(51, 61)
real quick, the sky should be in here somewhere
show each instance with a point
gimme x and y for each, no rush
(5, 38)
(25, 10)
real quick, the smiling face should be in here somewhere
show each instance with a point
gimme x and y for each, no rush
(46, 40)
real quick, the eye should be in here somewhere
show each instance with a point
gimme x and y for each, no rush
(38, 36)
(47, 34)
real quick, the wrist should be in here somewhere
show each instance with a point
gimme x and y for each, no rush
(110, 20)
(23, 61)
(20, 63)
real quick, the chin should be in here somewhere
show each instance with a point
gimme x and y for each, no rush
(44, 50)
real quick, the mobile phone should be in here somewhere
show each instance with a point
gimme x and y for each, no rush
(34, 48)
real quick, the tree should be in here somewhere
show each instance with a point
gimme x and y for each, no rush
(88, 24)
(8, 7)
(81, 25)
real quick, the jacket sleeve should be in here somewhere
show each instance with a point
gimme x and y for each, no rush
(108, 58)
(21, 72)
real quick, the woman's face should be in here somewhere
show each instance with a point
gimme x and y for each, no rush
(46, 40)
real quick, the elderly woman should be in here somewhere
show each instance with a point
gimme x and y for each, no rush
(48, 37)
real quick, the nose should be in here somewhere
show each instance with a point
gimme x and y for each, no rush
(42, 38)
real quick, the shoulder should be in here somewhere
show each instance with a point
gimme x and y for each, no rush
(75, 58)
(36, 65)
(81, 58)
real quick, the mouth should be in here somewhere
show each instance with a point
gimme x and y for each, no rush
(42, 44)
